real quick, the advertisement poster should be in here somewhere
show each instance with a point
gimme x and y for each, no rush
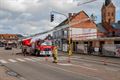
(117, 50)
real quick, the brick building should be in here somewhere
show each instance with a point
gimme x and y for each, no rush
(109, 26)
(80, 27)
(85, 29)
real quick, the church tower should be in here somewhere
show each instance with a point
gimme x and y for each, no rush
(108, 12)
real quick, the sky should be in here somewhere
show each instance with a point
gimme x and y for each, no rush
(33, 16)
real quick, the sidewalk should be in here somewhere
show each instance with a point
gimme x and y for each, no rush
(93, 58)
(4, 76)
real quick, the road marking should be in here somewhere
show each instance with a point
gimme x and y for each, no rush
(41, 59)
(20, 60)
(111, 69)
(62, 58)
(29, 59)
(85, 67)
(65, 64)
(35, 59)
(11, 60)
(3, 61)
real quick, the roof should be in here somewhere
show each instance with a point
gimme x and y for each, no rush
(72, 17)
(8, 36)
(116, 25)
(101, 28)
(107, 2)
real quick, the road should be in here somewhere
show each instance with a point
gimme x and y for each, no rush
(81, 67)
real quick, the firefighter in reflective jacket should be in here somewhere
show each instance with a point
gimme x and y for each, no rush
(69, 50)
(55, 54)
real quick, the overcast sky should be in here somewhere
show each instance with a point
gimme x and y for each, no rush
(33, 16)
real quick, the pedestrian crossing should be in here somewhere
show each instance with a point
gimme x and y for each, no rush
(33, 59)
(15, 60)
(12, 60)
(3, 61)
(20, 60)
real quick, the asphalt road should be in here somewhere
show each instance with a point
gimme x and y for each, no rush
(37, 68)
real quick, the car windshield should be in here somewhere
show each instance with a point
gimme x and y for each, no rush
(9, 44)
(47, 43)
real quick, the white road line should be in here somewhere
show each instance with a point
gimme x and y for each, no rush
(76, 57)
(85, 67)
(29, 59)
(11, 60)
(40, 58)
(65, 64)
(111, 69)
(35, 59)
(3, 61)
(62, 58)
(20, 60)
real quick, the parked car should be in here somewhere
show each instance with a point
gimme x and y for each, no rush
(8, 46)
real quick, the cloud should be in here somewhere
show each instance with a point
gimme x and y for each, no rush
(12, 5)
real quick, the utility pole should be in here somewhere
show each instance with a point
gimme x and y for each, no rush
(69, 38)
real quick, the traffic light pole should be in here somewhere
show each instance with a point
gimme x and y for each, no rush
(69, 38)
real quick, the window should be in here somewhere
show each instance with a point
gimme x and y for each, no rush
(108, 13)
(112, 14)
(65, 32)
(109, 20)
(62, 32)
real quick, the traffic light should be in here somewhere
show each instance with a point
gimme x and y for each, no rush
(52, 17)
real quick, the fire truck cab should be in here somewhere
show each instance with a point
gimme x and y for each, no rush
(44, 48)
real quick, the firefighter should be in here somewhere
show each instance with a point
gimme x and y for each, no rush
(69, 53)
(69, 50)
(55, 54)
(24, 50)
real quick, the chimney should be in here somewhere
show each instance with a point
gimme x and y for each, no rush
(74, 14)
(70, 14)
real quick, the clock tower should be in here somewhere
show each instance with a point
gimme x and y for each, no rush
(108, 12)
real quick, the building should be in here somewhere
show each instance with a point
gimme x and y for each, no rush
(8, 38)
(109, 26)
(79, 27)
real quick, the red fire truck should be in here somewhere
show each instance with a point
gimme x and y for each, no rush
(38, 47)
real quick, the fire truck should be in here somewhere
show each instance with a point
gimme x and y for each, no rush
(38, 47)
